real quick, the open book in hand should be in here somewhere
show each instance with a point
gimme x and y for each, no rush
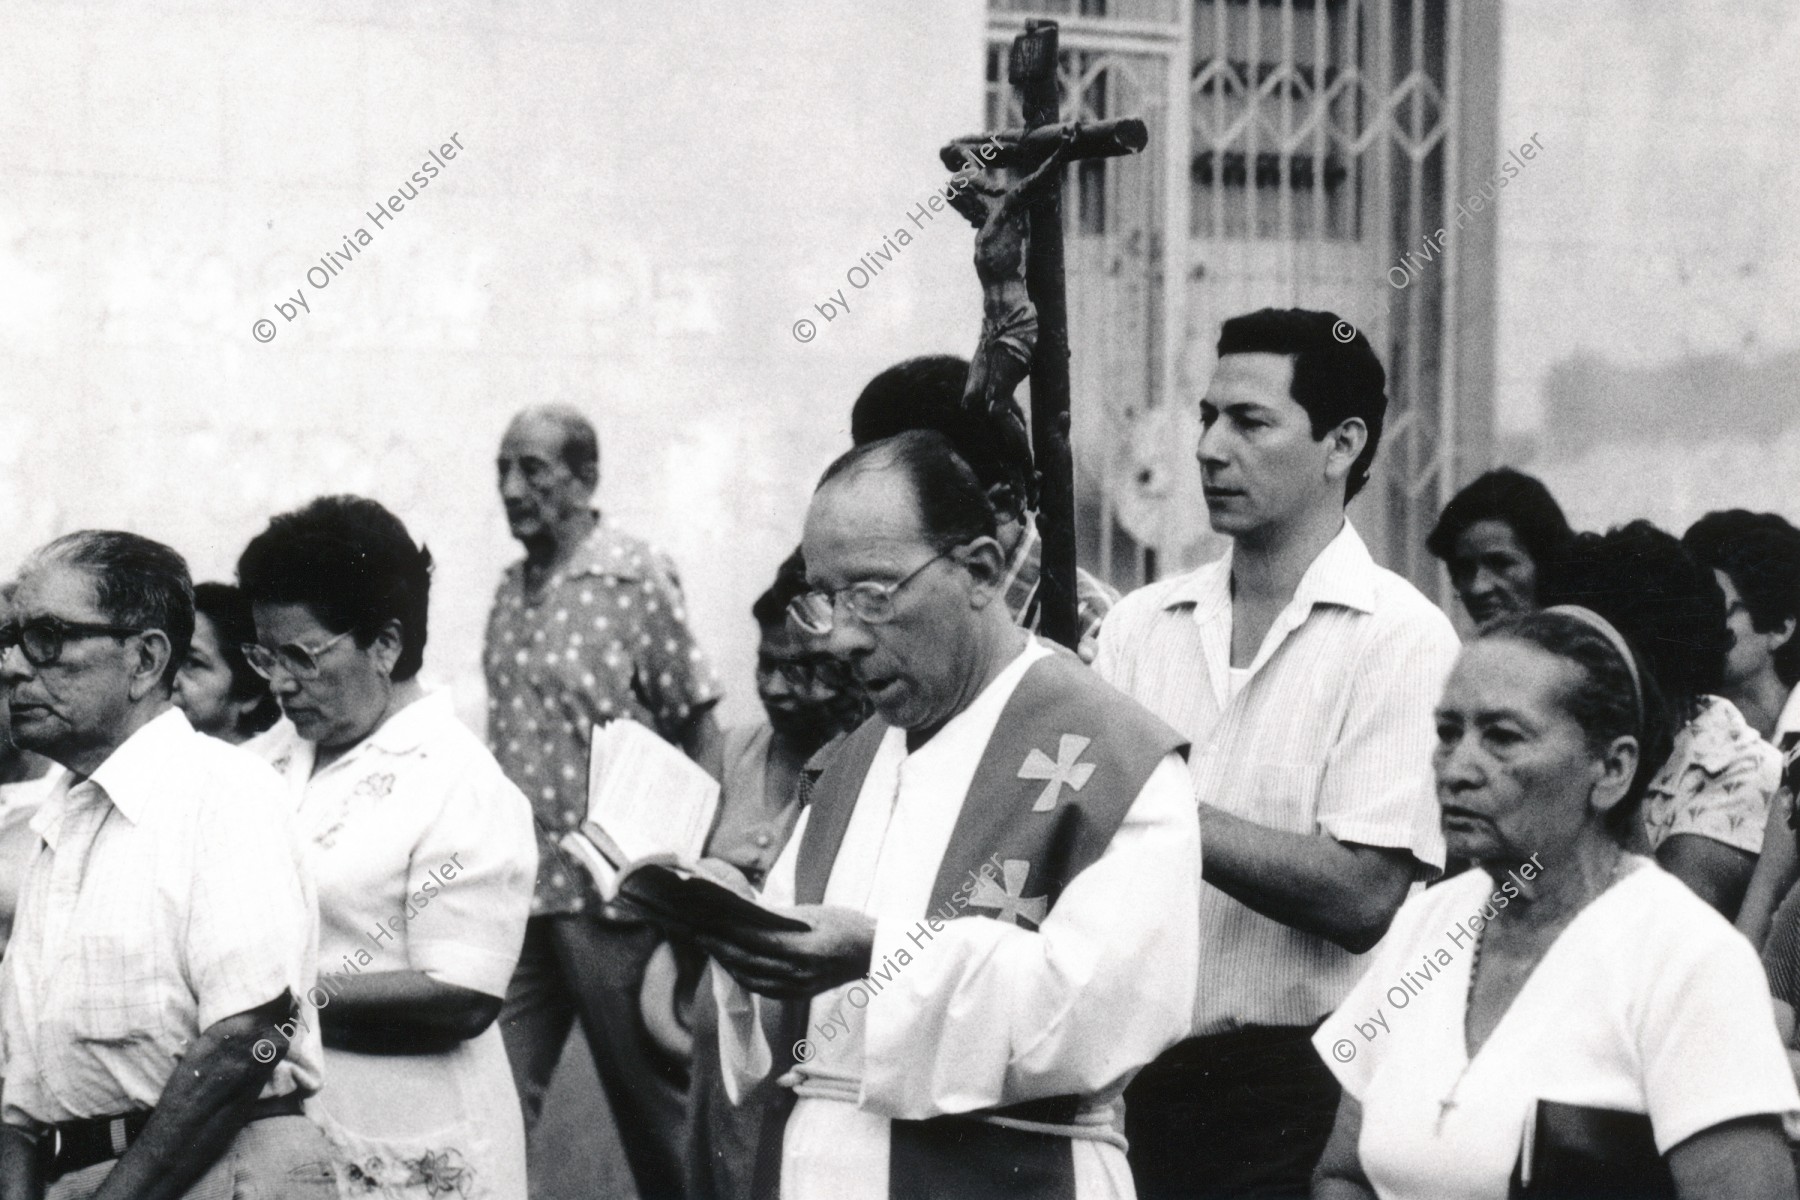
(649, 811)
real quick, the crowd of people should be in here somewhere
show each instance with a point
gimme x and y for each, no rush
(1271, 887)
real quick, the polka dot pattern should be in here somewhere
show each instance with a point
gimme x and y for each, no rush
(608, 638)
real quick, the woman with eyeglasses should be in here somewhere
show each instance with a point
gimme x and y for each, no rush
(423, 853)
(809, 699)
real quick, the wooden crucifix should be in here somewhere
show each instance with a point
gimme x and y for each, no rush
(1025, 315)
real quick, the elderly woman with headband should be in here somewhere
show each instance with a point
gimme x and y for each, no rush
(1564, 969)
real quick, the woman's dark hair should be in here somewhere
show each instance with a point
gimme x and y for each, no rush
(790, 581)
(1334, 378)
(228, 610)
(1665, 602)
(953, 508)
(1516, 499)
(1603, 700)
(352, 563)
(1761, 554)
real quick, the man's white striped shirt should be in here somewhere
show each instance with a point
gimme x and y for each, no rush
(1332, 733)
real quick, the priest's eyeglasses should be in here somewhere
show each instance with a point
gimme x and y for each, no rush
(298, 660)
(41, 639)
(871, 603)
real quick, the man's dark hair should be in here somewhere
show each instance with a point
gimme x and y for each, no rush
(352, 564)
(953, 508)
(1760, 552)
(790, 581)
(1517, 500)
(138, 583)
(1334, 380)
(226, 607)
(1665, 602)
(927, 393)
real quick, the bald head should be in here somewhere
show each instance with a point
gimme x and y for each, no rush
(549, 465)
(570, 432)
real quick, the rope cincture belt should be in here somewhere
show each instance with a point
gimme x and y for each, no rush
(1090, 1124)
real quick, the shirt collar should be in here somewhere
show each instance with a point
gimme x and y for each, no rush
(1343, 574)
(407, 729)
(134, 775)
(606, 550)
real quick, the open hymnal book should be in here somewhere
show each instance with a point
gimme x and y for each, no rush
(649, 811)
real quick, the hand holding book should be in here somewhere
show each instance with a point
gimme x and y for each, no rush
(649, 811)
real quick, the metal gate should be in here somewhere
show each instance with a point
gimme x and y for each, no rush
(1298, 149)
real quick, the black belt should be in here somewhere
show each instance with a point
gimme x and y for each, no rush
(76, 1145)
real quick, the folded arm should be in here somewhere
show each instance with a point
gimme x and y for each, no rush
(1345, 893)
(1746, 1159)
(402, 1012)
(1777, 867)
(1717, 873)
(205, 1104)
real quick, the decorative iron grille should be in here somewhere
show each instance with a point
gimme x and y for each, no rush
(1318, 142)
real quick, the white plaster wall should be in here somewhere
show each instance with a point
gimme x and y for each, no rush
(1656, 230)
(649, 196)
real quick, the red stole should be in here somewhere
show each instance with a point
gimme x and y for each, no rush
(1067, 759)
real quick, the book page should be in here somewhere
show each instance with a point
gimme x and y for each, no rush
(646, 795)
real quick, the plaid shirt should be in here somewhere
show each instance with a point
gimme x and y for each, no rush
(169, 894)
(1093, 598)
(605, 637)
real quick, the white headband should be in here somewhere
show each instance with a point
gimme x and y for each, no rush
(1589, 617)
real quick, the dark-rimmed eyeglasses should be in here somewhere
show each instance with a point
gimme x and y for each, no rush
(296, 659)
(41, 639)
(872, 603)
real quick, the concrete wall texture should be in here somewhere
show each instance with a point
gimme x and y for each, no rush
(1647, 262)
(647, 200)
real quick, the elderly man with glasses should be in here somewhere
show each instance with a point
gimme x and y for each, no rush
(999, 874)
(167, 926)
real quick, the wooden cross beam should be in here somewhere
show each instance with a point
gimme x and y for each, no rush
(1031, 69)
(1024, 149)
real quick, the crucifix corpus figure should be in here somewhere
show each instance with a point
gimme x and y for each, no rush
(1025, 320)
(1009, 322)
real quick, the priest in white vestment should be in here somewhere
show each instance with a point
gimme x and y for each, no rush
(1001, 870)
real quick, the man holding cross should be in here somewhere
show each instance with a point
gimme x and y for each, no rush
(945, 1030)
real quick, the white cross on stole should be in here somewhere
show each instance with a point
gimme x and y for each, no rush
(1067, 769)
(1011, 902)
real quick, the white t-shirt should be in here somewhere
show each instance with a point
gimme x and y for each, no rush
(1647, 1002)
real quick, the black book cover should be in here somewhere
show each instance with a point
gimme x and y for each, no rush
(1576, 1152)
(682, 900)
